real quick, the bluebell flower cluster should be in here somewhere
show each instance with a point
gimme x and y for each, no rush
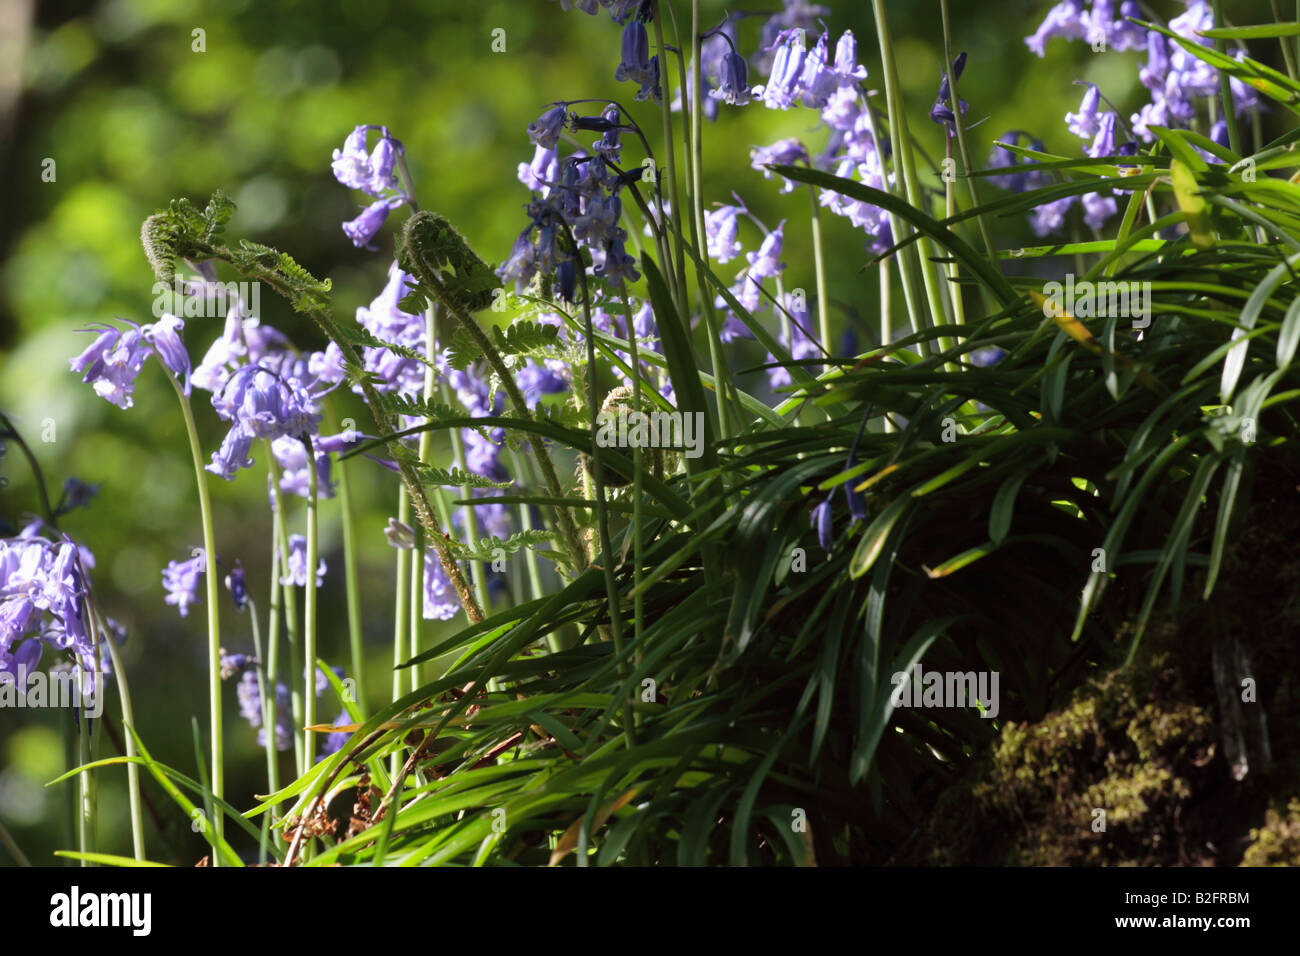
(114, 360)
(374, 172)
(830, 84)
(1176, 80)
(249, 696)
(43, 590)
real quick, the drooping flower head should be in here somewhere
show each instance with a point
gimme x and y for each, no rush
(181, 581)
(942, 112)
(297, 564)
(113, 361)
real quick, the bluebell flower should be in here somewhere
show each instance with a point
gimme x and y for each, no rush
(521, 265)
(1123, 35)
(362, 229)
(113, 361)
(291, 455)
(1156, 70)
(1103, 143)
(610, 145)
(1084, 123)
(636, 64)
(818, 80)
(181, 581)
(373, 172)
(541, 172)
(166, 339)
(232, 664)
(235, 584)
(1219, 133)
(245, 340)
(334, 742)
(799, 343)
(795, 15)
(322, 681)
(1050, 217)
(989, 355)
(1066, 19)
(784, 152)
(264, 406)
(598, 223)
(733, 86)
(545, 130)
(1001, 157)
(942, 112)
(783, 87)
(439, 602)
(566, 279)
(327, 364)
(822, 519)
(77, 494)
(1097, 209)
(42, 594)
(297, 564)
(232, 455)
(616, 266)
(250, 708)
(536, 380)
(720, 233)
(399, 534)
(766, 264)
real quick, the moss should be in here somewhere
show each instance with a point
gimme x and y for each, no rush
(1128, 744)
(1277, 842)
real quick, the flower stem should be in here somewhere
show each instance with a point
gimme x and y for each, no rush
(819, 269)
(959, 122)
(1225, 86)
(309, 610)
(132, 769)
(214, 622)
(638, 494)
(403, 576)
(352, 582)
(905, 165)
(268, 723)
(290, 613)
(678, 264)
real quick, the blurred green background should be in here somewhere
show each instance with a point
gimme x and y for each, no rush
(132, 116)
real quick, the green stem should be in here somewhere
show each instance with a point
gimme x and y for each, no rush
(352, 581)
(309, 609)
(905, 163)
(416, 608)
(270, 672)
(678, 263)
(695, 162)
(819, 268)
(214, 621)
(399, 613)
(290, 615)
(132, 769)
(85, 784)
(955, 105)
(638, 493)
(268, 724)
(1225, 86)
